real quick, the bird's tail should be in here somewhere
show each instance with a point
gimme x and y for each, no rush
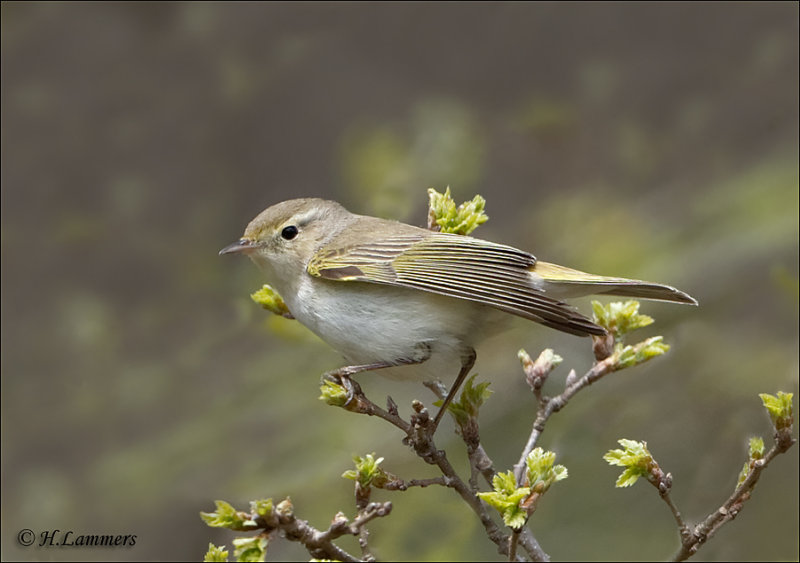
(561, 282)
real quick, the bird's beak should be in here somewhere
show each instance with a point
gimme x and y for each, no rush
(241, 245)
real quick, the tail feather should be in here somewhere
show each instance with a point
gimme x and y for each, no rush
(647, 290)
(564, 282)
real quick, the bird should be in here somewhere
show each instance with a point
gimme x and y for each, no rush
(408, 301)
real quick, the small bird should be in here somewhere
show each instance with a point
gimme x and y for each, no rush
(385, 294)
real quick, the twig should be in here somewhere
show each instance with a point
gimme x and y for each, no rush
(359, 525)
(419, 436)
(479, 460)
(319, 543)
(397, 484)
(512, 547)
(683, 528)
(692, 540)
(550, 405)
(359, 403)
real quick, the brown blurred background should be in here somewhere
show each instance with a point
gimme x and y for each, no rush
(140, 383)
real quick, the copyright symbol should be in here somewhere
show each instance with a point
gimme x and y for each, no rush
(26, 537)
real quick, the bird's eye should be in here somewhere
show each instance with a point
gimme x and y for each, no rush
(289, 232)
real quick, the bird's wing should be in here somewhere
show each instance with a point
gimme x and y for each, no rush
(456, 266)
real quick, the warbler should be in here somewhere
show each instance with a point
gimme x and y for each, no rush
(385, 294)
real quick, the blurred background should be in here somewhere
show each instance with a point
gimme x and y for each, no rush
(139, 381)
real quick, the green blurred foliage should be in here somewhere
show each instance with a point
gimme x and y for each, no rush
(140, 382)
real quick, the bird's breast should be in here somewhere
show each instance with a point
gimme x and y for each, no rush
(369, 323)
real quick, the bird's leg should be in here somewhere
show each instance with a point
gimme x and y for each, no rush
(467, 361)
(342, 375)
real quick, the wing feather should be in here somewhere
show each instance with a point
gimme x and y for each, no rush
(456, 266)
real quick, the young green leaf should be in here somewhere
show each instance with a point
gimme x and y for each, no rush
(333, 393)
(756, 452)
(542, 471)
(215, 554)
(469, 403)
(269, 299)
(262, 507)
(779, 408)
(618, 317)
(636, 460)
(507, 499)
(629, 356)
(367, 472)
(461, 220)
(743, 473)
(756, 447)
(226, 516)
(250, 550)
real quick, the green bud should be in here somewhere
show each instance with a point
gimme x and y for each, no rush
(628, 356)
(743, 473)
(779, 408)
(461, 220)
(507, 499)
(469, 403)
(367, 472)
(215, 554)
(618, 317)
(226, 516)
(756, 452)
(537, 371)
(542, 471)
(250, 549)
(636, 460)
(756, 447)
(269, 299)
(333, 393)
(262, 507)
(285, 507)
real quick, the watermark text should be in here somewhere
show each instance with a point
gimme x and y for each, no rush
(70, 538)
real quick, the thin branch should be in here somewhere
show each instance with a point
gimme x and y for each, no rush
(479, 460)
(319, 543)
(363, 543)
(512, 547)
(397, 484)
(372, 511)
(419, 436)
(359, 525)
(359, 403)
(550, 405)
(694, 539)
(683, 528)
(482, 462)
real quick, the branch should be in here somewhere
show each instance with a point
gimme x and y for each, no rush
(639, 462)
(467, 427)
(617, 318)
(692, 540)
(550, 405)
(419, 436)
